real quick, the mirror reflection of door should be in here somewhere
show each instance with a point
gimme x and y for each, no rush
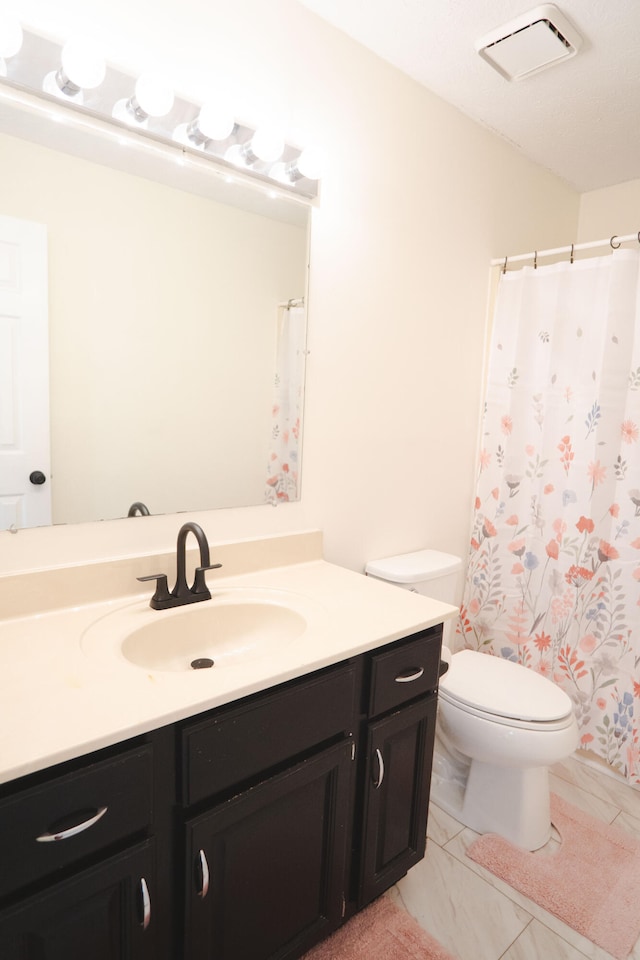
(25, 471)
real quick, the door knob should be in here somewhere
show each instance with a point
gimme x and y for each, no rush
(37, 477)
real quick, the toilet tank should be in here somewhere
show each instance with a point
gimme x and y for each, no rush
(428, 572)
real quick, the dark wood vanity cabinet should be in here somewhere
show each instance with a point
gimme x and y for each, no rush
(267, 869)
(394, 824)
(399, 740)
(102, 913)
(266, 856)
(250, 832)
(77, 862)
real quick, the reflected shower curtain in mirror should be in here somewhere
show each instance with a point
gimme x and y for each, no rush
(283, 479)
(553, 578)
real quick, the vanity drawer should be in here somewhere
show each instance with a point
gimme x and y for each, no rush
(238, 744)
(405, 671)
(51, 826)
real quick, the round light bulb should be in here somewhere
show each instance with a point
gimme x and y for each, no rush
(309, 163)
(279, 172)
(235, 155)
(153, 95)
(10, 36)
(267, 145)
(215, 122)
(83, 63)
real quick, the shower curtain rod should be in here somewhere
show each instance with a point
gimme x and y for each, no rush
(287, 304)
(613, 242)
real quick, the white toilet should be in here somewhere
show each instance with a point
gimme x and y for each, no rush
(500, 725)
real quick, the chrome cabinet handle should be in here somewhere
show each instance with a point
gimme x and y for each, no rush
(204, 868)
(409, 677)
(377, 783)
(146, 904)
(72, 831)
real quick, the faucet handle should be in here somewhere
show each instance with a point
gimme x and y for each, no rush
(162, 594)
(199, 583)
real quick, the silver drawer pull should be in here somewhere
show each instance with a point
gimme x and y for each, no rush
(409, 677)
(204, 868)
(146, 904)
(72, 831)
(378, 782)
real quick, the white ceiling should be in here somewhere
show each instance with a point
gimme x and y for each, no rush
(580, 118)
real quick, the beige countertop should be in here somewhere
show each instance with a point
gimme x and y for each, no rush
(62, 697)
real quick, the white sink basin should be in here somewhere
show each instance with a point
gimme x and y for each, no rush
(235, 626)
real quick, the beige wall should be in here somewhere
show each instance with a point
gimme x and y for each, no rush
(415, 201)
(612, 211)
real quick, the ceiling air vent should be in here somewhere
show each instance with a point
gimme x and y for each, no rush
(530, 43)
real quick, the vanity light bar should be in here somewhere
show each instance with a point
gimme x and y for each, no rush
(137, 112)
(146, 146)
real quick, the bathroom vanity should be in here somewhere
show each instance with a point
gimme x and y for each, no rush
(244, 821)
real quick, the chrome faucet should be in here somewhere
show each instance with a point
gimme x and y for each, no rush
(182, 593)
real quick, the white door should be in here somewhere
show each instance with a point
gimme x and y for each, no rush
(25, 482)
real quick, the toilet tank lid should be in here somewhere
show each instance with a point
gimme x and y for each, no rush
(503, 688)
(414, 567)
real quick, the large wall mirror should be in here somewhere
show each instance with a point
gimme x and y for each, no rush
(163, 321)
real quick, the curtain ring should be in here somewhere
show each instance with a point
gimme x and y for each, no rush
(504, 266)
(535, 260)
(614, 245)
(571, 259)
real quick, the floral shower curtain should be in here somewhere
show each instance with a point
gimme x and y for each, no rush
(553, 578)
(282, 481)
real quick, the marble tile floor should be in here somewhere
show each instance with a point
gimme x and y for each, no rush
(475, 915)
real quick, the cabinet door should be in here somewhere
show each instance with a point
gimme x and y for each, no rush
(104, 913)
(398, 777)
(267, 869)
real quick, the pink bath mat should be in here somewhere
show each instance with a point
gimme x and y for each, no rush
(592, 883)
(381, 931)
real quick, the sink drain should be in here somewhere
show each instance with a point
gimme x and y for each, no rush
(201, 663)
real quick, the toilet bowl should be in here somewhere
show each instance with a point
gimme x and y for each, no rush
(500, 727)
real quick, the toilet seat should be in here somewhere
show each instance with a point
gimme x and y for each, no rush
(504, 692)
(541, 725)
